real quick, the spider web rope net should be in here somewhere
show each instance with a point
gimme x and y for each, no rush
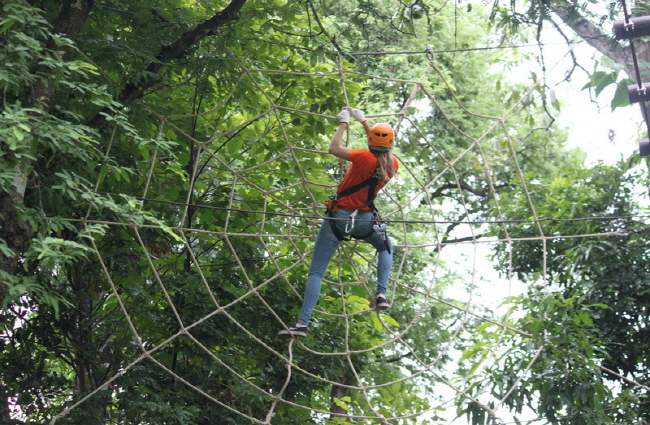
(283, 217)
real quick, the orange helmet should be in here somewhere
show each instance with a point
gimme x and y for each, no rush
(381, 135)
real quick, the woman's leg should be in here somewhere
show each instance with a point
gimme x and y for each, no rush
(384, 259)
(326, 244)
(384, 263)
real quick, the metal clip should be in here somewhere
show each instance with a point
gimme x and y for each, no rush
(349, 225)
(381, 229)
(429, 51)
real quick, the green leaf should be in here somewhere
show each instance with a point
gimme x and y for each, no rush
(339, 402)
(390, 320)
(376, 322)
(621, 97)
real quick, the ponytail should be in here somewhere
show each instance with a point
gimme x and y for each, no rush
(385, 164)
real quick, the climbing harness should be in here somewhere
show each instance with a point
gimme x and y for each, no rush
(332, 207)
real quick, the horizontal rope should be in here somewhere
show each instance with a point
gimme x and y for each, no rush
(542, 219)
(471, 49)
(313, 217)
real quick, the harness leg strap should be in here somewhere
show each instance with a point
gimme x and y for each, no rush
(335, 228)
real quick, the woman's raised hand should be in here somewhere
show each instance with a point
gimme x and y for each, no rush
(358, 114)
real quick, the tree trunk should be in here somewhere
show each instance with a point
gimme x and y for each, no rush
(71, 19)
(13, 229)
(5, 414)
(339, 391)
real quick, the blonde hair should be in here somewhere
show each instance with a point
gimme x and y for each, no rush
(385, 165)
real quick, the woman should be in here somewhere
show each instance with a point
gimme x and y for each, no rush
(352, 212)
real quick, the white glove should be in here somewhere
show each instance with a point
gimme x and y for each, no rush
(358, 114)
(344, 116)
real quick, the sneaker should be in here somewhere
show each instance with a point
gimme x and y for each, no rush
(382, 303)
(294, 331)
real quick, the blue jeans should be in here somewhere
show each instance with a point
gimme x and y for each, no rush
(326, 244)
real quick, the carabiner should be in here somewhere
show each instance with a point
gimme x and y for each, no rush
(349, 225)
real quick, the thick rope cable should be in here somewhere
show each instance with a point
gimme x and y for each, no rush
(394, 340)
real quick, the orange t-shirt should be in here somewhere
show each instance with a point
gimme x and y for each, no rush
(364, 164)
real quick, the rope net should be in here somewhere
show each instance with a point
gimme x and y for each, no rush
(242, 227)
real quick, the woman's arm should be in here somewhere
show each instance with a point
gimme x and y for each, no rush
(336, 147)
(360, 116)
(366, 127)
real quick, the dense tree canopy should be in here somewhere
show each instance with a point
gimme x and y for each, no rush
(161, 180)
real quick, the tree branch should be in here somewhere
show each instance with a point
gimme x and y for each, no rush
(463, 186)
(400, 357)
(331, 39)
(135, 90)
(590, 33)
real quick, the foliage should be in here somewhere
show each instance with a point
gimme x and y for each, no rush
(159, 269)
(584, 300)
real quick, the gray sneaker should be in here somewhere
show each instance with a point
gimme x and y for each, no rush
(294, 331)
(382, 303)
